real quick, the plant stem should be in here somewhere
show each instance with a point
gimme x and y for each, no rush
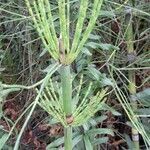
(66, 81)
(131, 73)
(68, 138)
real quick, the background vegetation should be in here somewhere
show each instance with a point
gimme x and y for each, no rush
(116, 55)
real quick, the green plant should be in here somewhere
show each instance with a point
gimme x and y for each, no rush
(104, 51)
(131, 56)
(65, 52)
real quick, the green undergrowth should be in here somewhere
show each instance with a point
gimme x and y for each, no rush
(35, 45)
